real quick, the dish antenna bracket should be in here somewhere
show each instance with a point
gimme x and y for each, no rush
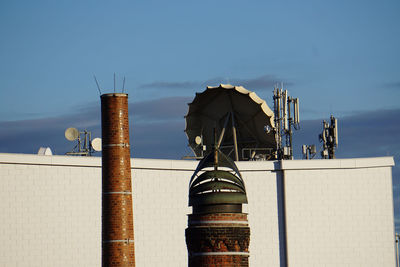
(85, 145)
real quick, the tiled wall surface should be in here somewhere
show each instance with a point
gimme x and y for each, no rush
(338, 212)
(50, 216)
(345, 216)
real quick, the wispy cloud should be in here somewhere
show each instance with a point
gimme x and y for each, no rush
(392, 85)
(170, 85)
(168, 108)
(264, 82)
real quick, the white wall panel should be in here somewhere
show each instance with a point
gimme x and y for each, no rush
(339, 217)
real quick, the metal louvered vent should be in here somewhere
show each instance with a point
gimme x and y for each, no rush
(217, 190)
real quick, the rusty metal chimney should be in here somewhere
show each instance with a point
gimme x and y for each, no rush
(117, 215)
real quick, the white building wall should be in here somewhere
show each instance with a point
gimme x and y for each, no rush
(339, 217)
(263, 217)
(338, 212)
(160, 208)
(49, 215)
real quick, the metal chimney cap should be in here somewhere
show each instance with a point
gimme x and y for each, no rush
(216, 187)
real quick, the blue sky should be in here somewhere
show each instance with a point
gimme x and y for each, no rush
(338, 57)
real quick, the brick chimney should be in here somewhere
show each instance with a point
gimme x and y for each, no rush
(218, 233)
(117, 215)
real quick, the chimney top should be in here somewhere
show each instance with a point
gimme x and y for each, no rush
(114, 94)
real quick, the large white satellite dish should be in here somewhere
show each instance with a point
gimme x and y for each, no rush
(96, 144)
(231, 117)
(71, 134)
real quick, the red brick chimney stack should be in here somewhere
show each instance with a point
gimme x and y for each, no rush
(117, 215)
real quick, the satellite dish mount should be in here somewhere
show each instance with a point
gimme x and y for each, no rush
(85, 146)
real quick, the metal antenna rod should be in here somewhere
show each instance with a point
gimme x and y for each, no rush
(98, 87)
(114, 82)
(123, 85)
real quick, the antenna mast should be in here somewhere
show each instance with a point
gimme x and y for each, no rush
(286, 117)
(329, 137)
(97, 83)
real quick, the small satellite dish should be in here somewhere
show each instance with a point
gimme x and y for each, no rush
(267, 129)
(71, 134)
(96, 144)
(45, 151)
(197, 140)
